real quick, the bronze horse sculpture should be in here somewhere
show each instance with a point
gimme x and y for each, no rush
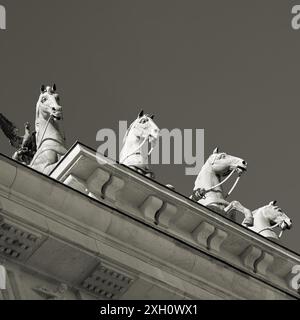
(139, 133)
(269, 217)
(50, 139)
(43, 148)
(208, 189)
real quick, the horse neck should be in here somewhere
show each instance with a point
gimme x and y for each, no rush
(260, 223)
(207, 178)
(131, 145)
(48, 130)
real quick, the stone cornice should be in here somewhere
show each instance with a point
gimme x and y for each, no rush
(176, 215)
(114, 210)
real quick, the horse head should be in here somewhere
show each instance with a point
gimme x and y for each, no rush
(208, 189)
(141, 131)
(222, 163)
(268, 218)
(50, 138)
(144, 128)
(218, 165)
(48, 104)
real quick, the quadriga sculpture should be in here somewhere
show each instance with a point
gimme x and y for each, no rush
(50, 139)
(208, 189)
(134, 154)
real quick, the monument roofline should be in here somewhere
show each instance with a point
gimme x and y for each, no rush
(128, 214)
(54, 175)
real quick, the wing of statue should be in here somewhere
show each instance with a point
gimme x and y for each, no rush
(31, 143)
(11, 132)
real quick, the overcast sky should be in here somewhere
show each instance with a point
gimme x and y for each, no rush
(229, 67)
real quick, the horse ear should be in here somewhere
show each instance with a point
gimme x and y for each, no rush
(54, 87)
(273, 203)
(43, 88)
(152, 116)
(216, 150)
(141, 113)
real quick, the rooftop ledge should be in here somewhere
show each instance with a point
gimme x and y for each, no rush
(129, 214)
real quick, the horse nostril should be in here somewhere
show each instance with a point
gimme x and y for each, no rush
(244, 163)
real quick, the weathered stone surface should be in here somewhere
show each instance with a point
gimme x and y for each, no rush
(96, 181)
(150, 207)
(76, 183)
(168, 246)
(203, 232)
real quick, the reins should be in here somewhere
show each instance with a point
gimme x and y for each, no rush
(200, 193)
(271, 228)
(44, 132)
(46, 126)
(137, 149)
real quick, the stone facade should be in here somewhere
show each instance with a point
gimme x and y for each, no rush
(95, 229)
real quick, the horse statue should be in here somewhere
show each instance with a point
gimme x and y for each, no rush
(267, 218)
(50, 139)
(141, 132)
(208, 189)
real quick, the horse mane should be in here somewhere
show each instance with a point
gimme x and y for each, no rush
(128, 130)
(257, 210)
